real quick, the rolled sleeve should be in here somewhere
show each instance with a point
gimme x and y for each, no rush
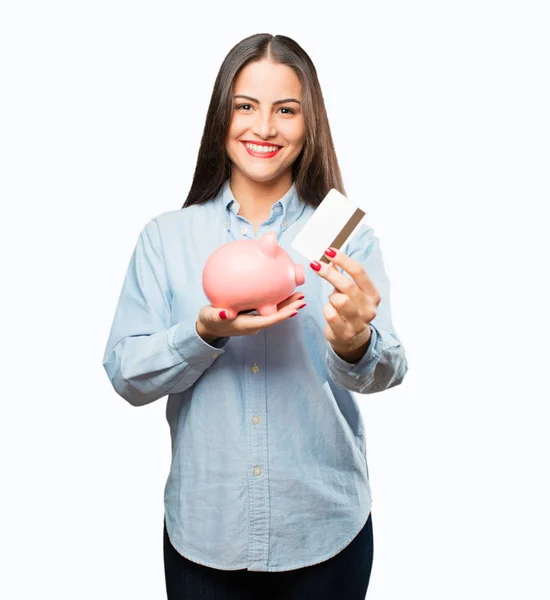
(189, 345)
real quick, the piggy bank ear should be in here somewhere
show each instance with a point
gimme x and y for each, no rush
(268, 244)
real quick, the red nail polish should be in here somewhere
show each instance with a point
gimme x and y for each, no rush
(223, 315)
(304, 304)
(300, 298)
(315, 266)
(330, 252)
(293, 315)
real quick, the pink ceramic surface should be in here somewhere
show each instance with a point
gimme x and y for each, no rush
(251, 274)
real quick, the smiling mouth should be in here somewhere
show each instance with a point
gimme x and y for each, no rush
(261, 151)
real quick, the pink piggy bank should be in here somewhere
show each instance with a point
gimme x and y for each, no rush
(251, 274)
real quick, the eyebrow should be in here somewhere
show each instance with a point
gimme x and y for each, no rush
(273, 104)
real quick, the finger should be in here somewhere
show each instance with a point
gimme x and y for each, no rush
(249, 322)
(343, 305)
(292, 298)
(355, 269)
(338, 327)
(341, 283)
(224, 314)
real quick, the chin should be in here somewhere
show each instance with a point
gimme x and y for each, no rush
(261, 177)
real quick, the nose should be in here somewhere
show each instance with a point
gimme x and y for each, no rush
(264, 126)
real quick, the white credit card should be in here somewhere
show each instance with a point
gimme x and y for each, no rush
(333, 224)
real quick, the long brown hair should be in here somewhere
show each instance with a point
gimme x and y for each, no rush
(315, 171)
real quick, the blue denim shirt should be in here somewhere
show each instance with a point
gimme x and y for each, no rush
(269, 469)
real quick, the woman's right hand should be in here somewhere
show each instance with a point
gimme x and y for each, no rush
(211, 325)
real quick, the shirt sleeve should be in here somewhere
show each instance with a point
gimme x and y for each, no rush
(146, 358)
(384, 364)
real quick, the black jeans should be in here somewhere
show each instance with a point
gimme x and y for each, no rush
(342, 577)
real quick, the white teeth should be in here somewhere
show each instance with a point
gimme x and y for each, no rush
(262, 149)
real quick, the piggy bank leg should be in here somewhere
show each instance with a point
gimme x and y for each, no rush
(268, 309)
(300, 274)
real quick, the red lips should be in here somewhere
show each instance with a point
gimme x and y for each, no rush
(259, 143)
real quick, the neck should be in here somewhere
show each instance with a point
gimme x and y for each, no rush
(257, 197)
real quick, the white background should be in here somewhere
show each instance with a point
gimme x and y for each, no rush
(440, 117)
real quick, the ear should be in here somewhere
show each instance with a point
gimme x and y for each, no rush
(268, 244)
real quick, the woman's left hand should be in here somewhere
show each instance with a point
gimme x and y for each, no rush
(352, 305)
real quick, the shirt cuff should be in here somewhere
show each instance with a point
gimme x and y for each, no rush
(186, 342)
(365, 365)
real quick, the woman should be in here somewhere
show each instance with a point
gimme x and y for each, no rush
(268, 492)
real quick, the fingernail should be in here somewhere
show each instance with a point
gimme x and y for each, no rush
(300, 298)
(330, 252)
(293, 315)
(304, 304)
(315, 266)
(223, 315)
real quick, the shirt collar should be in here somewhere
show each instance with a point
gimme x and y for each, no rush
(290, 204)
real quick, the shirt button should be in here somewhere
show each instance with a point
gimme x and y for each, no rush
(257, 471)
(255, 369)
(284, 223)
(226, 223)
(255, 419)
(214, 355)
(244, 231)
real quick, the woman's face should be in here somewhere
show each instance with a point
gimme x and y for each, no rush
(260, 118)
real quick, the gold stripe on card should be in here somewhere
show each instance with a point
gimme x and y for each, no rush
(346, 231)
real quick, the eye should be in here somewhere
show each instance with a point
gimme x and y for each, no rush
(249, 106)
